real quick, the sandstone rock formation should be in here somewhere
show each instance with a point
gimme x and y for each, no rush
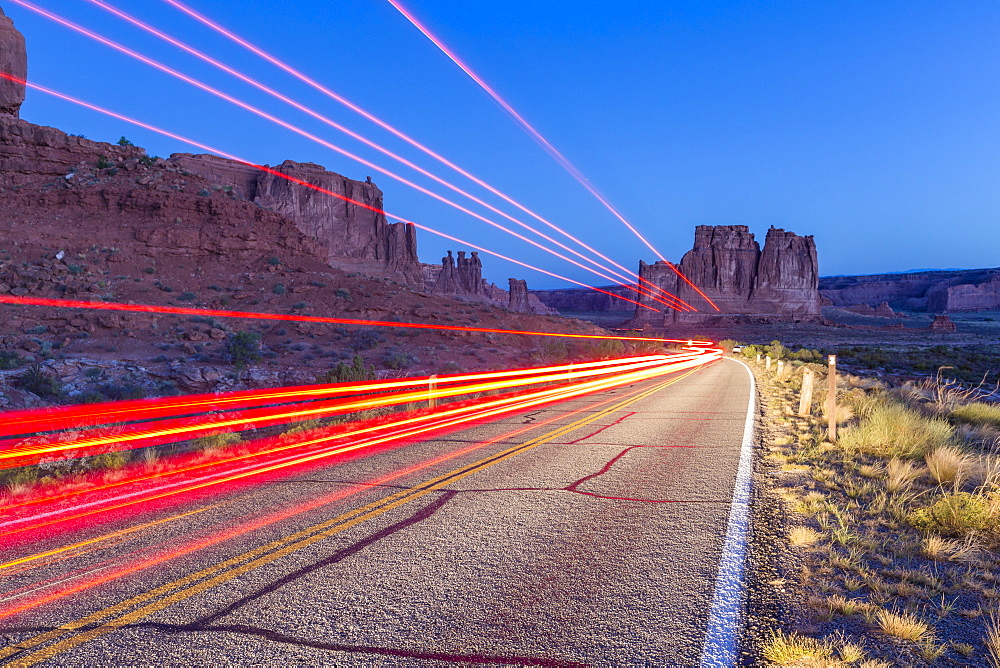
(943, 323)
(884, 310)
(353, 230)
(727, 264)
(13, 61)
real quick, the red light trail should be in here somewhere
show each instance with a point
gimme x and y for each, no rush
(406, 427)
(270, 91)
(399, 134)
(220, 313)
(303, 133)
(231, 532)
(534, 134)
(21, 452)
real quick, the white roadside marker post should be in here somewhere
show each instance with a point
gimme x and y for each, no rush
(831, 400)
(805, 401)
(431, 387)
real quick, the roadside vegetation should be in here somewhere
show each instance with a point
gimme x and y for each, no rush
(891, 534)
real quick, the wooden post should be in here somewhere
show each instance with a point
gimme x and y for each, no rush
(758, 358)
(767, 363)
(831, 400)
(806, 400)
(431, 387)
(781, 368)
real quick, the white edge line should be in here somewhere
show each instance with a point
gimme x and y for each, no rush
(722, 636)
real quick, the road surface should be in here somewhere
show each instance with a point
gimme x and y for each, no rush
(586, 533)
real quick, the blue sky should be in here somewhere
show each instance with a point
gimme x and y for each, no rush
(871, 125)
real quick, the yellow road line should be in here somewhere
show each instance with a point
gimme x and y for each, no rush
(207, 578)
(98, 539)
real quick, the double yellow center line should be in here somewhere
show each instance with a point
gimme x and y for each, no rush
(139, 607)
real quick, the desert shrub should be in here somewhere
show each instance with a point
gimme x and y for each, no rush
(806, 355)
(104, 163)
(450, 367)
(243, 348)
(123, 392)
(891, 430)
(299, 305)
(274, 261)
(148, 160)
(278, 289)
(343, 293)
(108, 461)
(355, 372)
(9, 360)
(607, 349)
(555, 350)
(394, 358)
(365, 338)
(150, 270)
(727, 345)
(776, 350)
(978, 413)
(75, 269)
(187, 297)
(958, 514)
(124, 142)
(204, 193)
(214, 442)
(39, 382)
(751, 352)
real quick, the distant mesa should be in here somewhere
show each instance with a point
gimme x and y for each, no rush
(938, 291)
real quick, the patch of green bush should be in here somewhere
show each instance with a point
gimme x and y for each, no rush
(243, 348)
(355, 372)
(38, 382)
(9, 360)
(958, 514)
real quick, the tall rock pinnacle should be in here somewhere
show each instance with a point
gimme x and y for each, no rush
(13, 61)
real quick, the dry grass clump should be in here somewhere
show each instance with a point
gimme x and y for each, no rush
(803, 536)
(793, 649)
(900, 474)
(902, 625)
(949, 465)
(978, 413)
(942, 549)
(891, 430)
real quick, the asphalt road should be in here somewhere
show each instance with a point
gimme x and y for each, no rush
(585, 533)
